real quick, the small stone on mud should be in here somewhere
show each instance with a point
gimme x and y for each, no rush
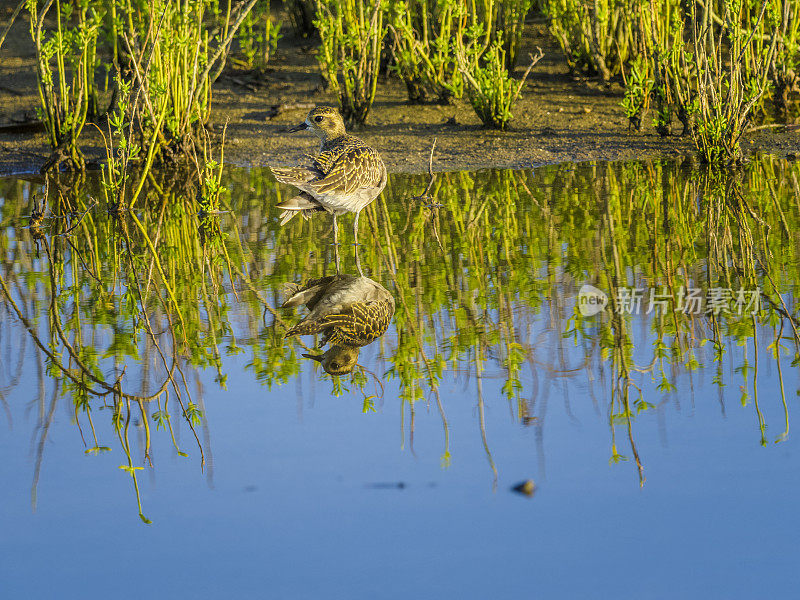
(587, 109)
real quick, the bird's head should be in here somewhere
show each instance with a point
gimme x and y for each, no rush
(324, 121)
(337, 360)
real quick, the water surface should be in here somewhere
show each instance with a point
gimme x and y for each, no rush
(162, 437)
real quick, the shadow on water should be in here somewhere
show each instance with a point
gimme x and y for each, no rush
(625, 285)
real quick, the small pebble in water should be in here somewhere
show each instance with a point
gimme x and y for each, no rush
(526, 487)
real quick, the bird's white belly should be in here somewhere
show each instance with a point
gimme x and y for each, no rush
(339, 203)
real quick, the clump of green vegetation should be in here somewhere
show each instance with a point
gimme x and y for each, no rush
(732, 73)
(422, 35)
(209, 173)
(165, 55)
(258, 35)
(714, 68)
(786, 72)
(121, 149)
(711, 67)
(352, 36)
(426, 34)
(637, 93)
(174, 63)
(66, 60)
(509, 21)
(598, 37)
(492, 91)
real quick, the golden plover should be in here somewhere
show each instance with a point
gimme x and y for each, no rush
(349, 311)
(344, 177)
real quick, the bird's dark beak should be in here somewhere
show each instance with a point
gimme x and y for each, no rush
(316, 357)
(300, 127)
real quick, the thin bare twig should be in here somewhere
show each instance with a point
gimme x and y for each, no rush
(425, 194)
(222, 47)
(11, 21)
(68, 231)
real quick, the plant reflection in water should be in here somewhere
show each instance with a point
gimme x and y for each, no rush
(125, 308)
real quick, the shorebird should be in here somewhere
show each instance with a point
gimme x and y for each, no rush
(349, 311)
(345, 176)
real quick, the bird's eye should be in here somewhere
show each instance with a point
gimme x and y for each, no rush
(318, 118)
(334, 365)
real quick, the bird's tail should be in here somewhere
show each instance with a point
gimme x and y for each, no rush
(287, 215)
(297, 294)
(302, 203)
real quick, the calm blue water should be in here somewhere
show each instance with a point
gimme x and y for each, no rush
(305, 496)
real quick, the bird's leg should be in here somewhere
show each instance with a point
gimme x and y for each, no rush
(355, 229)
(356, 244)
(358, 263)
(336, 242)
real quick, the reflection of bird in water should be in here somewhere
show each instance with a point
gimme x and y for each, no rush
(345, 176)
(349, 311)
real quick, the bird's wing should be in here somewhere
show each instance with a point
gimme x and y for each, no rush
(325, 160)
(296, 175)
(354, 169)
(306, 327)
(356, 325)
(360, 324)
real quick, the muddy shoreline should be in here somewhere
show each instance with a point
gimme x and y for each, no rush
(558, 118)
